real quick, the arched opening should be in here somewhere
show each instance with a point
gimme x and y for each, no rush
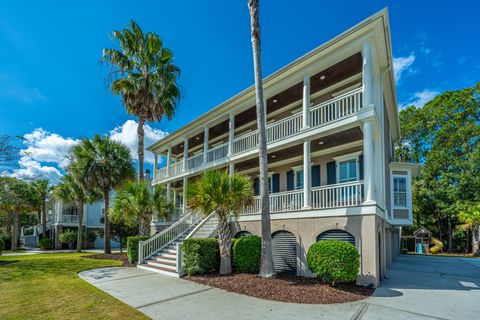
(242, 234)
(284, 248)
(336, 234)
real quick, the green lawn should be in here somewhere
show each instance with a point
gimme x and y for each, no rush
(46, 286)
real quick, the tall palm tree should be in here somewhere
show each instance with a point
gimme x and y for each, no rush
(144, 75)
(69, 189)
(266, 265)
(42, 189)
(103, 164)
(218, 191)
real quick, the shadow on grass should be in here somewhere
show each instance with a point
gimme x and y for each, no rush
(7, 262)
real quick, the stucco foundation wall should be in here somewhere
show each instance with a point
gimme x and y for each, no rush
(364, 228)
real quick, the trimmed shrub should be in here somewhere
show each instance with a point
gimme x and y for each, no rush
(132, 247)
(69, 237)
(201, 255)
(334, 261)
(46, 243)
(247, 252)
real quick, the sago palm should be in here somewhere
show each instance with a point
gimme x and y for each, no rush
(103, 164)
(217, 191)
(144, 74)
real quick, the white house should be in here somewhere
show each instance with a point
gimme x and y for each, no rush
(332, 120)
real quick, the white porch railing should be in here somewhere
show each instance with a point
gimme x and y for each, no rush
(338, 195)
(162, 239)
(331, 196)
(69, 218)
(342, 106)
(324, 113)
(217, 153)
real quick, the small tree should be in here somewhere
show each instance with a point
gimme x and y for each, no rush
(68, 237)
(471, 221)
(217, 191)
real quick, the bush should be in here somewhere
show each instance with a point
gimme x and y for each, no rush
(45, 243)
(334, 261)
(247, 252)
(201, 255)
(68, 237)
(91, 236)
(132, 247)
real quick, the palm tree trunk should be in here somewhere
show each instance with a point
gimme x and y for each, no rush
(44, 218)
(225, 242)
(16, 231)
(80, 205)
(39, 216)
(266, 266)
(140, 147)
(8, 226)
(106, 234)
(476, 240)
(450, 235)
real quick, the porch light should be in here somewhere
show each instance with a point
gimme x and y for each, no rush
(322, 77)
(320, 142)
(274, 156)
(275, 101)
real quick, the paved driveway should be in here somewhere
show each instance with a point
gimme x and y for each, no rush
(418, 288)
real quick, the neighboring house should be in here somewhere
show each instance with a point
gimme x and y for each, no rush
(332, 120)
(63, 216)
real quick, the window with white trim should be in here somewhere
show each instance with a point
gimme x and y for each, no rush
(400, 192)
(298, 178)
(348, 167)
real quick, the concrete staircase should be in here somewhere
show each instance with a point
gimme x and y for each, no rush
(167, 261)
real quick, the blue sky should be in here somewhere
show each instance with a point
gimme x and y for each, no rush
(53, 91)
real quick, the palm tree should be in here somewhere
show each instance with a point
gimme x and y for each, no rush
(266, 265)
(103, 164)
(144, 75)
(42, 190)
(217, 191)
(69, 189)
(471, 221)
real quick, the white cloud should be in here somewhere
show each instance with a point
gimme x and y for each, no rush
(127, 134)
(30, 169)
(419, 98)
(402, 64)
(44, 146)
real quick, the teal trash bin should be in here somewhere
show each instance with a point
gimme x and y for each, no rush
(419, 248)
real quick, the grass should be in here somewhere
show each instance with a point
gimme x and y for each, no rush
(46, 286)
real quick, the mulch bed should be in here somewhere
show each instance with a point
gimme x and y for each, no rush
(112, 256)
(285, 288)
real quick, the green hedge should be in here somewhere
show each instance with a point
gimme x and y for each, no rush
(46, 243)
(132, 247)
(247, 252)
(201, 255)
(334, 261)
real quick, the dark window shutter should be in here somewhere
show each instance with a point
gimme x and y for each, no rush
(360, 164)
(316, 176)
(289, 180)
(331, 172)
(276, 183)
(256, 187)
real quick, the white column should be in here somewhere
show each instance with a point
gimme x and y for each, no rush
(185, 153)
(185, 181)
(169, 157)
(231, 133)
(367, 74)
(205, 144)
(169, 192)
(307, 175)
(155, 165)
(231, 168)
(306, 102)
(368, 159)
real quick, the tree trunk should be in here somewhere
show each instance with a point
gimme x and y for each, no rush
(140, 147)
(16, 231)
(8, 226)
(266, 265)
(225, 242)
(106, 236)
(450, 236)
(144, 226)
(80, 205)
(476, 240)
(44, 218)
(39, 216)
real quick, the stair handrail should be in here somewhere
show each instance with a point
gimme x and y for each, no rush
(207, 218)
(162, 239)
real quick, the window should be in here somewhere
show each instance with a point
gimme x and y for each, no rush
(270, 183)
(347, 170)
(298, 183)
(400, 192)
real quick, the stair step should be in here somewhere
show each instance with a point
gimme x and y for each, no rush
(161, 270)
(160, 256)
(168, 265)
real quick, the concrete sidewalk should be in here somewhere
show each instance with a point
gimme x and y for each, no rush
(418, 288)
